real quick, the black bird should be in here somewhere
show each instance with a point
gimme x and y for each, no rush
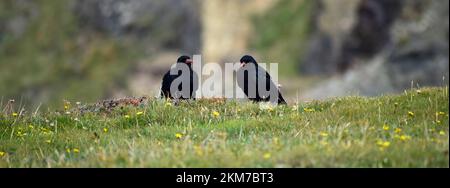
(188, 77)
(251, 75)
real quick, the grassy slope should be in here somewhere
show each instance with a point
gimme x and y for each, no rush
(342, 132)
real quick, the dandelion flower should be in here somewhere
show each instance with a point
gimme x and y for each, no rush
(216, 114)
(76, 150)
(178, 135)
(68, 150)
(267, 156)
(105, 130)
(2, 153)
(442, 133)
(20, 134)
(139, 113)
(405, 137)
(308, 109)
(127, 116)
(385, 127)
(411, 114)
(323, 134)
(168, 104)
(383, 144)
(14, 114)
(397, 130)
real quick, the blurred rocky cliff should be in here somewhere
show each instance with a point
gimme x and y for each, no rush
(378, 46)
(172, 24)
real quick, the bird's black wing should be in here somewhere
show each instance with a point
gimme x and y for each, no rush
(270, 86)
(165, 85)
(247, 80)
(193, 84)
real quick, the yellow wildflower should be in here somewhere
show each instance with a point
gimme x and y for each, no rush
(139, 113)
(178, 135)
(31, 126)
(105, 130)
(20, 134)
(48, 141)
(405, 137)
(66, 105)
(267, 156)
(2, 153)
(216, 114)
(411, 114)
(76, 150)
(127, 116)
(323, 134)
(68, 150)
(308, 109)
(168, 104)
(383, 144)
(385, 127)
(14, 114)
(398, 130)
(442, 133)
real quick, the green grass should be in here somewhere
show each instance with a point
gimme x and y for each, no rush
(341, 132)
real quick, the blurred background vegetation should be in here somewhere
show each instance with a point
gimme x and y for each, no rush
(86, 50)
